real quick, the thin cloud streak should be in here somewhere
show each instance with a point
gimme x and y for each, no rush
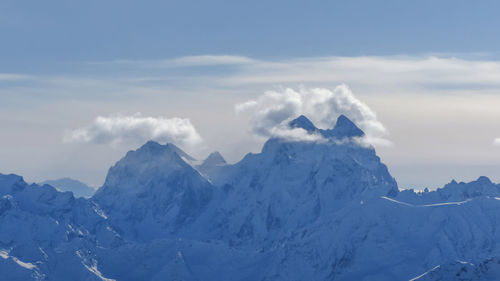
(186, 61)
(376, 70)
(372, 71)
(14, 77)
(206, 60)
(400, 74)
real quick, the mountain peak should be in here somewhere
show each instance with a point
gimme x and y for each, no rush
(153, 147)
(344, 127)
(10, 179)
(151, 144)
(483, 180)
(211, 167)
(150, 160)
(215, 158)
(303, 123)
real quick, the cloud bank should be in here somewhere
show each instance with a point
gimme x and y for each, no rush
(135, 129)
(437, 96)
(274, 109)
(391, 72)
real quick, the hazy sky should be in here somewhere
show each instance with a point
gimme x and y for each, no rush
(82, 82)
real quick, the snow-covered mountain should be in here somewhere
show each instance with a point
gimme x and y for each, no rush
(212, 165)
(48, 235)
(78, 188)
(153, 191)
(298, 210)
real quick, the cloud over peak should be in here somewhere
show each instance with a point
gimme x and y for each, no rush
(272, 110)
(136, 129)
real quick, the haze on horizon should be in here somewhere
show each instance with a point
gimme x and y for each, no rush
(76, 96)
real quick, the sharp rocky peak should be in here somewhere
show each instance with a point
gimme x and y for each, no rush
(215, 158)
(344, 127)
(303, 123)
(155, 185)
(483, 180)
(154, 148)
(152, 160)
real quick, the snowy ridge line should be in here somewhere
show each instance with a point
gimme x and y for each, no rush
(26, 265)
(398, 202)
(425, 273)
(4, 254)
(96, 272)
(92, 268)
(426, 205)
(447, 203)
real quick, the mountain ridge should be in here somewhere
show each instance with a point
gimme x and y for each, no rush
(78, 188)
(325, 210)
(343, 128)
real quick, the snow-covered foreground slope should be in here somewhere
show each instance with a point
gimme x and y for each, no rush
(299, 210)
(488, 270)
(46, 234)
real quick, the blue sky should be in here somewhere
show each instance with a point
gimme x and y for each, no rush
(428, 69)
(47, 36)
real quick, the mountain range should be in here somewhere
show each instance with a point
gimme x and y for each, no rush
(298, 210)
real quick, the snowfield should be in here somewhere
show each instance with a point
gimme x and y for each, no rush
(298, 210)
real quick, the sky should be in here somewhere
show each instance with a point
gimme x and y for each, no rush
(82, 82)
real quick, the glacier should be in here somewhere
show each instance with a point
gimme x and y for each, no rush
(298, 210)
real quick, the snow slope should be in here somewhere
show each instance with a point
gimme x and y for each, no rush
(488, 270)
(42, 229)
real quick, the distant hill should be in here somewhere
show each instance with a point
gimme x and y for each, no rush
(78, 188)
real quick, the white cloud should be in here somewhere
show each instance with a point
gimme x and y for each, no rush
(210, 60)
(274, 109)
(136, 129)
(295, 134)
(375, 72)
(270, 110)
(186, 61)
(496, 141)
(13, 77)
